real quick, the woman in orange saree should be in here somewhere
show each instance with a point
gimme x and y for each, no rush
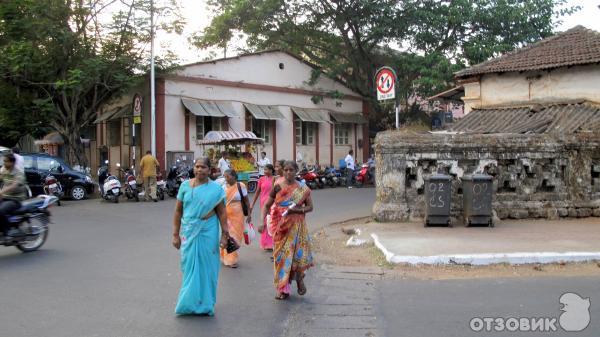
(292, 247)
(235, 214)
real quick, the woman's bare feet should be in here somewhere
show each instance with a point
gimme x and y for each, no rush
(282, 296)
(300, 284)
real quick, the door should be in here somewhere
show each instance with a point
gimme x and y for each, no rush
(32, 175)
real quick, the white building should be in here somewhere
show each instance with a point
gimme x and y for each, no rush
(265, 92)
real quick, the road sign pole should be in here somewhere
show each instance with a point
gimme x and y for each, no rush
(397, 117)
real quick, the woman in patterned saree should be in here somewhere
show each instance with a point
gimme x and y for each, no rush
(292, 247)
(199, 210)
(235, 194)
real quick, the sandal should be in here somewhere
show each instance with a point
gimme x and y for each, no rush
(282, 296)
(301, 285)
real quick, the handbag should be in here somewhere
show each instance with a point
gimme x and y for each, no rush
(232, 245)
(244, 206)
(249, 233)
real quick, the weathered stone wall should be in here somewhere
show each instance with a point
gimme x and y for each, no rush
(535, 176)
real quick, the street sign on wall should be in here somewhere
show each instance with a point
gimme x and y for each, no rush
(386, 83)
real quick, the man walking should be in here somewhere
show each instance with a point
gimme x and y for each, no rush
(224, 163)
(149, 165)
(262, 162)
(349, 168)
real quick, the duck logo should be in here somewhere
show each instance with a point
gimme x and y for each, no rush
(576, 312)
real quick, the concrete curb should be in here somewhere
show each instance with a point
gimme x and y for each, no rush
(487, 259)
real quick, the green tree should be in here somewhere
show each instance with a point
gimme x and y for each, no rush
(65, 59)
(349, 40)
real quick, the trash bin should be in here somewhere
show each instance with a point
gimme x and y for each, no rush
(477, 199)
(438, 193)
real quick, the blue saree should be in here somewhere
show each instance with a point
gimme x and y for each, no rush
(199, 248)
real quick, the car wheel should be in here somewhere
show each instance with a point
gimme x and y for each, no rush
(78, 192)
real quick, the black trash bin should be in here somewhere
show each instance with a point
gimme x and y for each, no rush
(478, 191)
(438, 193)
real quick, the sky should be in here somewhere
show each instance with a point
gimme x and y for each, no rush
(198, 17)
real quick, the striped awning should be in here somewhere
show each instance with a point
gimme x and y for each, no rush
(348, 117)
(209, 108)
(216, 137)
(312, 115)
(270, 112)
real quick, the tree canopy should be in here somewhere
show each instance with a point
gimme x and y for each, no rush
(62, 60)
(426, 41)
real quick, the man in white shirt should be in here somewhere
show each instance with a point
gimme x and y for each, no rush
(19, 160)
(224, 164)
(349, 168)
(262, 162)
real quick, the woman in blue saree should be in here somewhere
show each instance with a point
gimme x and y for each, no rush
(199, 210)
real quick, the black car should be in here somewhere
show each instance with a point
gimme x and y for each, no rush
(76, 185)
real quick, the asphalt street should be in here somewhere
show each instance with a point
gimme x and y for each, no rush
(110, 270)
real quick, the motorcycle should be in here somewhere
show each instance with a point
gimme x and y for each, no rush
(310, 177)
(131, 186)
(110, 186)
(161, 186)
(177, 175)
(321, 177)
(53, 187)
(32, 219)
(331, 177)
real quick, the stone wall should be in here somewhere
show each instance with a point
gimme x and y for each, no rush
(535, 176)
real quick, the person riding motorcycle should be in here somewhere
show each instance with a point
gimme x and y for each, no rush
(11, 194)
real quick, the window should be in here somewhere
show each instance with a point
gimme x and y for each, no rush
(262, 129)
(342, 134)
(207, 124)
(47, 164)
(126, 131)
(28, 162)
(89, 132)
(114, 133)
(305, 132)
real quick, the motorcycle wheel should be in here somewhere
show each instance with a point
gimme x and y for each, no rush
(136, 196)
(116, 199)
(252, 185)
(161, 195)
(33, 245)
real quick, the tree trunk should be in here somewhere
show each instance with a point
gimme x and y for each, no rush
(75, 151)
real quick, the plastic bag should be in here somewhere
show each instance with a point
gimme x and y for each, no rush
(249, 233)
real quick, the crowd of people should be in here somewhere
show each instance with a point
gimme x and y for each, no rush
(204, 206)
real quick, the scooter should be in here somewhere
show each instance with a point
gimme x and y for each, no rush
(32, 219)
(110, 186)
(321, 177)
(362, 176)
(53, 187)
(253, 182)
(131, 186)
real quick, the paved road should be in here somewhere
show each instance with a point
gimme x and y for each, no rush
(109, 270)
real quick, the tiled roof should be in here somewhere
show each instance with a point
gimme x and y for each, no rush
(551, 118)
(575, 46)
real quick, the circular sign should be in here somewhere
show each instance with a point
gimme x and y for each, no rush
(385, 81)
(137, 105)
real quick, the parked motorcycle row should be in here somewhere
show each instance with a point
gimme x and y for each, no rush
(319, 177)
(111, 188)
